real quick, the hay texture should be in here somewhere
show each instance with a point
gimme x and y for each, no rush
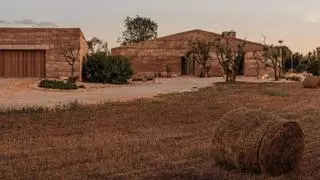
(253, 140)
(311, 82)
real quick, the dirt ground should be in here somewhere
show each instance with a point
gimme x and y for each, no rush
(24, 92)
(168, 137)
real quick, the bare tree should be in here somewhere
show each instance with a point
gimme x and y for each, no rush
(271, 56)
(70, 52)
(200, 52)
(230, 54)
(259, 58)
(71, 55)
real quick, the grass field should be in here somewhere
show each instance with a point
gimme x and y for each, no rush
(168, 137)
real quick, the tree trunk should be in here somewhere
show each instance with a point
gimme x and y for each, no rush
(230, 76)
(280, 71)
(204, 70)
(275, 73)
(72, 74)
(227, 76)
(72, 71)
(234, 72)
(258, 70)
(234, 77)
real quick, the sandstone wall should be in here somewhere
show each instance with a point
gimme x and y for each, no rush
(84, 48)
(54, 39)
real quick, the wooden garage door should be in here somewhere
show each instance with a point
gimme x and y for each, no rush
(18, 63)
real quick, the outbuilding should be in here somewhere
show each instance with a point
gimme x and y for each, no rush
(156, 55)
(39, 52)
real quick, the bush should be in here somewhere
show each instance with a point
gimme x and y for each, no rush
(101, 68)
(301, 67)
(314, 67)
(55, 84)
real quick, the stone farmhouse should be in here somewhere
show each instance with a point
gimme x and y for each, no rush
(155, 55)
(38, 52)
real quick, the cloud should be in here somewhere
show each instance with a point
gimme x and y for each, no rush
(47, 23)
(27, 23)
(312, 19)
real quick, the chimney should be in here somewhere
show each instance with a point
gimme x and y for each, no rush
(231, 34)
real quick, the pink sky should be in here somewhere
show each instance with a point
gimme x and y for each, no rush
(294, 21)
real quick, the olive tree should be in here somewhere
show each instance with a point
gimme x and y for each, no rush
(200, 52)
(230, 53)
(272, 56)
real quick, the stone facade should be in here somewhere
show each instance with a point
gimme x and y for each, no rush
(154, 55)
(51, 40)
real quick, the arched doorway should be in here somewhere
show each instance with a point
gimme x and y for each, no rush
(187, 66)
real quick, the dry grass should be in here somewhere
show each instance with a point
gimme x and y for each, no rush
(165, 138)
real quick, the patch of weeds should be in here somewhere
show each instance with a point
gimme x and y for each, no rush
(276, 93)
(71, 106)
(57, 84)
(23, 110)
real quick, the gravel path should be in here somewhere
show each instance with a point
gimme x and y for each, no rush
(23, 92)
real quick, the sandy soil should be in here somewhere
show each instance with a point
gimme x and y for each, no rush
(24, 92)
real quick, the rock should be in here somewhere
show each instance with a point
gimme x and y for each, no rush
(266, 76)
(295, 77)
(64, 78)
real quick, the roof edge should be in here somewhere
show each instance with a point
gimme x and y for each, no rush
(40, 28)
(185, 32)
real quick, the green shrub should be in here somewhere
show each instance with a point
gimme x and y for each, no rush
(302, 67)
(55, 84)
(314, 67)
(101, 68)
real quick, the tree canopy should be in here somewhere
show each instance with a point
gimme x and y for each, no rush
(138, 29)
(200, 52)
(230, 55)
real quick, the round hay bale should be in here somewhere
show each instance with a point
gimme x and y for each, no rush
(311, 82)
(253, 140)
